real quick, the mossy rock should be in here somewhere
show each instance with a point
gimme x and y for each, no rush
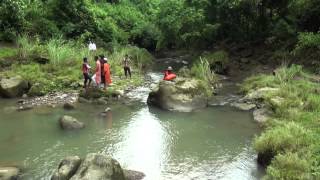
(183, 95)
(92, 93)
(13, 86)
(37, 90)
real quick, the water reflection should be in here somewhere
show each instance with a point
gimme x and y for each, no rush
(145, 145)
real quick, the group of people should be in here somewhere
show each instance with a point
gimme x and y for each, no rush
(102, 73)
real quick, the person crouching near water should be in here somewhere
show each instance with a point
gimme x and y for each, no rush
(169, 75)
(97, 76)
(126, 66)
(86, 70)
(107, 74)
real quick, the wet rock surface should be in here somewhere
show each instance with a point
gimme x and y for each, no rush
(133, 175)
(67, 168)
(70, 123)
(243, 106)
(182, 95)
(69, 106)
(262, 115)
(9, 173)
(13, 87)
(94, 166)
(51, 100)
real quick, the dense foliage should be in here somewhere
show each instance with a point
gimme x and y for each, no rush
(292, 133)
(159, 24)
(58, 30)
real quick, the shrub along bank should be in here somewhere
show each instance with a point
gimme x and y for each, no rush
(55, 65)
(290, 144)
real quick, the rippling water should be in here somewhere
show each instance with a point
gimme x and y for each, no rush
(213, 143)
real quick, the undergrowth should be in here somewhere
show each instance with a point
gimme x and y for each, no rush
(293, 132)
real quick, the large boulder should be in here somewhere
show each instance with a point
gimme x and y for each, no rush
(99, 166)
(67, 168)
(13, 86)
(183, 95)
(69, 123)
(9, 173)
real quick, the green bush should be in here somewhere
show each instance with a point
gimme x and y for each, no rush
(290, 166)
(313, 102)
(290, 137)
(308, 40)
(218, 60)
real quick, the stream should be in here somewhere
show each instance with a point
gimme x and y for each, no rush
(213, 143)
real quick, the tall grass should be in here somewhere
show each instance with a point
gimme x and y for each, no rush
(61, 51)
(285, 74)
(201, 70)
(26, 46)
(293, 132)
(140, 58)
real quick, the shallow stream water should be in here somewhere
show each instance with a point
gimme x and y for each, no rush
(213, 143)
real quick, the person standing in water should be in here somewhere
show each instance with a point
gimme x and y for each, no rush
(107, 73)
(86, 70)
(98, 71)
(126, 66)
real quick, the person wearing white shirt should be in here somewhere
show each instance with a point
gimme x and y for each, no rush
(92, 46)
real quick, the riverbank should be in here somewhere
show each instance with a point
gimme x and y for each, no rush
(289, 146)
(54, 66)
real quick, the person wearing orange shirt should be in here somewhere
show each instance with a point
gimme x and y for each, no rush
(107, 73)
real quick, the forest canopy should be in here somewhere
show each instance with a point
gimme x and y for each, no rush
(157, 24)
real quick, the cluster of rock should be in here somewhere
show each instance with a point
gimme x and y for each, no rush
(99, 96)
(182, 95)
(93, 167)
(254, 100)
(51, 100)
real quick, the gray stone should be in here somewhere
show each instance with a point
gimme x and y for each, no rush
(69, 123)
(9, 173)
(262, 115)
(67, 168)
(102, 101)
(25, 107)
(243, 106)
(182, 95)
(133, 175)
(69, 106)
(83, 100)
(99, 167)
(13, 87)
